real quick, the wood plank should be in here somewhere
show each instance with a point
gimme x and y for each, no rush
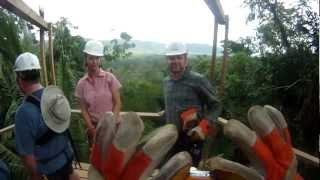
(8, 128)
(141, 114)
(43, 62)
(307, 158)
(225, 57)
(53, 71)
(216, 9)
(21, 9)
(214, 50)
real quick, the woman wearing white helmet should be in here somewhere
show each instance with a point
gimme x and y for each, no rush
(98, 91)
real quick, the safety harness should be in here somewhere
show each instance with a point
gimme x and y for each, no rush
(49, 135)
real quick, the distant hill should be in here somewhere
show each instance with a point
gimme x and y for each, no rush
(150, 47)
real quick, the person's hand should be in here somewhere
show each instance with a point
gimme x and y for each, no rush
(118, 119)
(200, 132)
(267, 145)
(91, 133)
(189, 119)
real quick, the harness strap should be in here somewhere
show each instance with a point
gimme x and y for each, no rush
(49, 134)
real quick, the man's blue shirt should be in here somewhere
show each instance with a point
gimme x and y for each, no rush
(29, 127)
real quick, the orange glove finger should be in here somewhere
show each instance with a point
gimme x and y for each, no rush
(177, 168)
(229, 169)
(124, 143)
(104, 136)
(205, 126)
(272, 168)
(189, 118)
(265, 127)
(143, 162)
(248, 139)
(280, 122)
(95, 157)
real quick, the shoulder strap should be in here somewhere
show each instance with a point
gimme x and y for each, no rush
(34, 100)
(47, 136)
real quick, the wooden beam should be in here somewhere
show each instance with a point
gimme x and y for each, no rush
(216, 9)
(8, 128)
(43, 62)
(21, 9)
(214, 50)
(225, 57)
(142, 114)
(306, 158)
(51, 59)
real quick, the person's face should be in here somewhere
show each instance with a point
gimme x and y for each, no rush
(92, 62)
(177, 63)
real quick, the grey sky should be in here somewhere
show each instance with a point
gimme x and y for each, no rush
(189, 21)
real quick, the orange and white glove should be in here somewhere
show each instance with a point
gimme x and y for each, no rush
(189, 118)
(111, 152)
(114, 156)
(200, 132)
(273, 143)
(143, 162)
(267, 145)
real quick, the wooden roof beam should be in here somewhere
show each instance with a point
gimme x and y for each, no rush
(21, 9)
(216, 9)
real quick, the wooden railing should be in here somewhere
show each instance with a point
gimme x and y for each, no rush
(302, 156)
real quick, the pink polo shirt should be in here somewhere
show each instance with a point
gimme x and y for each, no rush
(97, 92)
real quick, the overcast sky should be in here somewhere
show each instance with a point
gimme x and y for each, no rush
(188, 21)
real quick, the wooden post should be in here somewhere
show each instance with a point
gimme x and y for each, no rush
(225, 56)
(214, 50)
(51, 59)
(44, 76)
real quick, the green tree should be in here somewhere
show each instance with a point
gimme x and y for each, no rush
(68, 56)
(281, 28)
(118, 48)
(15, 38)
(243, 46)
(289, 50)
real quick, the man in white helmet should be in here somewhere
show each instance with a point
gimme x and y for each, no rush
(40, 123)
(190, 102)
(98, 91)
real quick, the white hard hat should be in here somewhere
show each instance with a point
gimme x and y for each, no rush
(26, 61)
(94, 48)
(176, 48)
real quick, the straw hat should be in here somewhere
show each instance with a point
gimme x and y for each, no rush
(55, 109)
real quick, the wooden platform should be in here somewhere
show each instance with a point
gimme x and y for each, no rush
(83, 171)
